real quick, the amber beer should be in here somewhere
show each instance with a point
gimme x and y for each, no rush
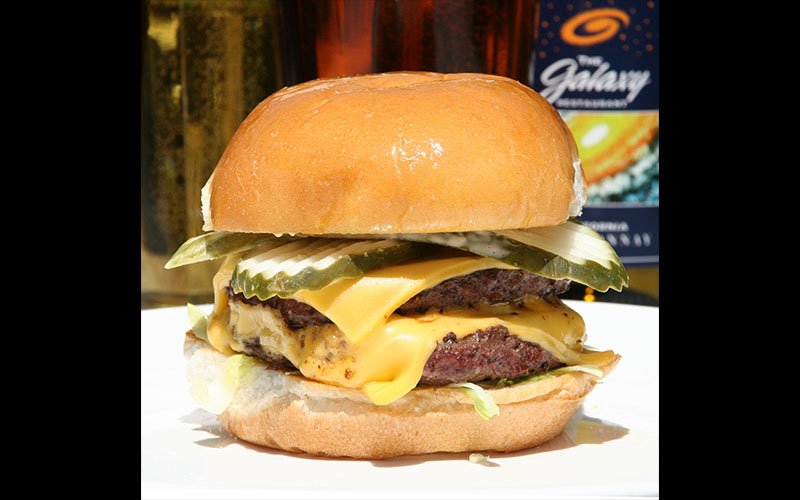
(205, 65)
(348, 37)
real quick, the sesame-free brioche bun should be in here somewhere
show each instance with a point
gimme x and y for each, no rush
(287, 411)
(403, 152)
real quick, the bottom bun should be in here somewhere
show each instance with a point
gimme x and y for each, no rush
(287, 411)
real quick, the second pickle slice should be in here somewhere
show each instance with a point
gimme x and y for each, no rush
(283, 269)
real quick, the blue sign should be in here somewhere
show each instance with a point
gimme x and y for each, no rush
(604, 57)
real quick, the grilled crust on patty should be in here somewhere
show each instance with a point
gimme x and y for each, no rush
(489, 354)
(493, 353)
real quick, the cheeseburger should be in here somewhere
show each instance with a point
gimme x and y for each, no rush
(392, 250)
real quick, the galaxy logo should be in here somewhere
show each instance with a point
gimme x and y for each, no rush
(599, 58)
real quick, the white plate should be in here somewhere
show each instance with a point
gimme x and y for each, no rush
(610, 447)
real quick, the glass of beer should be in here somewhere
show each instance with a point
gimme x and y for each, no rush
(205, 65)
(347, 37)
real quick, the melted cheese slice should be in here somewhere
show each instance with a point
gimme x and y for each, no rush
(360, 305)
(382, 353)
(218, 331)
(407, 342)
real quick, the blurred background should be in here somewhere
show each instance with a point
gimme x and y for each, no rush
(206, 63)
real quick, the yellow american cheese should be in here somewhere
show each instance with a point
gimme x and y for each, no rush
(219, 334)
(360, 305)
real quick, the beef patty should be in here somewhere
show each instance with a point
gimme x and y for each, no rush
(493, 353)
(488, 354)
(492, 286)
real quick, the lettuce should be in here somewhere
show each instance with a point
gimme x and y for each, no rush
(216, 395)
(485, 405)
(481, 400)
(476, 458)
(198, 321)
(591, 369)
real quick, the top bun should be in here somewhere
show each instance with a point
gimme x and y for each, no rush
(402, 152)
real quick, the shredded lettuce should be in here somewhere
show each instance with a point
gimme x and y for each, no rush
(216, 395)
(481, 399)
(477, 458)
(487, 408)
(591, 369)
(198, 321)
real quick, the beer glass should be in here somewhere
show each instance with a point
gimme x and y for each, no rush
(350, 37)
(205, 65)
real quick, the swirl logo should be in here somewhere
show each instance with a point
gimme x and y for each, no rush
(594, 26)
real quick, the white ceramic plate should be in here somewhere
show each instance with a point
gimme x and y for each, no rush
(610, 447)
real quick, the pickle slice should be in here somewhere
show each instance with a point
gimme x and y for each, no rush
(218, 244)
(283, 269)
(283, 265)
(569, 250)
(578, 253)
